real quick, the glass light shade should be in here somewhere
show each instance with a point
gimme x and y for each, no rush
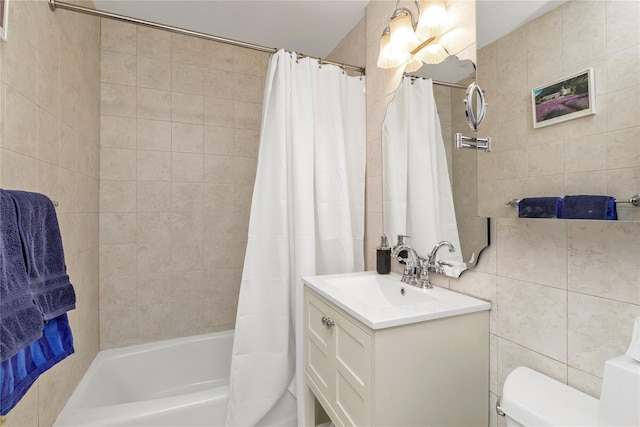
(403, 38)
(413, 65)
(432, 54)
(434, 19)
(389, 57)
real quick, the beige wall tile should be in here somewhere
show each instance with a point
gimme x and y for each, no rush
(117, 132)
(153, 73)
(188, 50)
(218, 197)
(244, 170)
(623, 148)
(248, 61)
(117, 164)
(187, 256)
(154, 289)
(187, 108)
(118, 68)
(533, 316)
(186, 167)
(153, 258)
(188, 138)
(153, 166)
(603, 259)
(599, 329)
(221, 140)
(187, 78)
(247, 88)
(118, 36)
(219, 112)
(153, 135)
(219, 83)
(218, 55)
(247, 115)
(118, 291)
(117, 228)
(186, 197)
(153, 196)
(218, 169)
(117, 196)
(153, 227)
(574, 148)
(153, 43)
(533, 250)
(117, 100)
(154, 322)
(153, 104)
(584, 382)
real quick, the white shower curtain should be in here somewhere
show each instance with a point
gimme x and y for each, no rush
(307, 218)
(417, 190)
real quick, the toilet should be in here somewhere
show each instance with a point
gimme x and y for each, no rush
(531, 399)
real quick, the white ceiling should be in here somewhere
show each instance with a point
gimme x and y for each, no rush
(312, 27)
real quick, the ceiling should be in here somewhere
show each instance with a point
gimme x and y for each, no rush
(312, 27)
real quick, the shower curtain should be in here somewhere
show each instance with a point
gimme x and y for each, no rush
(418, 199)
(307, 218)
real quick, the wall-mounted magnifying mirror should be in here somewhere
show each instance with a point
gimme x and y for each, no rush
(438, 185)
(475, 106)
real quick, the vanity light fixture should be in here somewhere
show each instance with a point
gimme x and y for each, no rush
(407, 42)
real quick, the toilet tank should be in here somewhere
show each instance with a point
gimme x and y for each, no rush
(620, 395)
(530, 399)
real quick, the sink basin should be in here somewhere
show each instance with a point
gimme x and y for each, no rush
(382, 301)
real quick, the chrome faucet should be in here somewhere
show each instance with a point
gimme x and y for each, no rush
(412, 262)
(417, 270)
(431, 260)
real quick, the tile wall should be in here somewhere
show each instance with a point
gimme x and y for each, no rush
(49, 143)
(180, 120)
(564, 293)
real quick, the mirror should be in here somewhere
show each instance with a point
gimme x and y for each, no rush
(475, 106)
(451, 80)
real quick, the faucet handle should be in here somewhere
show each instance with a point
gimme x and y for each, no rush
(401, 239)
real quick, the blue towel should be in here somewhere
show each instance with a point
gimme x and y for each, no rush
(540, 207)
(20, 319)
(18, 373)
(590, 207)
(44, 256)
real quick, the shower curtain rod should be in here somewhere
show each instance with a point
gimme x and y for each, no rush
(55, 4)
(437, 82)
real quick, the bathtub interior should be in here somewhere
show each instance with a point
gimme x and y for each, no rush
(155, 371)
(181, 382)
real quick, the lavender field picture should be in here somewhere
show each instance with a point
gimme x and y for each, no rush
(566, 99)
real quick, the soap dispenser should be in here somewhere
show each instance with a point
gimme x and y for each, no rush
(383, 256)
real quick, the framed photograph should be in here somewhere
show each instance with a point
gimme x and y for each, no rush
(4, 11)
(562, 100)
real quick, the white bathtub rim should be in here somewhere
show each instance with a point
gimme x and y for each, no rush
(73, 414)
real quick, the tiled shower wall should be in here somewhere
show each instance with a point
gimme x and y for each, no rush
(564, 293)
(49, 143)
(180, 120)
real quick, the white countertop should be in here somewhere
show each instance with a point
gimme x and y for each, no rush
(383, 301)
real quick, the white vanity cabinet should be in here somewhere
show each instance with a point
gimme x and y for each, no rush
(428, 373)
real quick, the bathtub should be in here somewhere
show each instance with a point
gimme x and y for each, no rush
(179, 382)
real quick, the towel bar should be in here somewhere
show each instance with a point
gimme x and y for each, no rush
(635, 201)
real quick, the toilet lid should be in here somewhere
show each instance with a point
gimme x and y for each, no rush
(533, 399)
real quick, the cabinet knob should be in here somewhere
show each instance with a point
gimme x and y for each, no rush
(327, 322)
